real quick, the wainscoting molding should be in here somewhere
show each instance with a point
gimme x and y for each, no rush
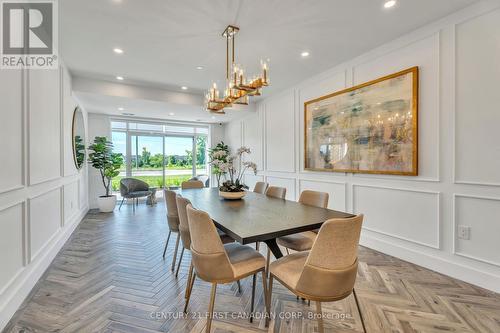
(456, 196)
(437, 226)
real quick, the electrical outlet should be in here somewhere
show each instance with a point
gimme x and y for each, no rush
(464, 232)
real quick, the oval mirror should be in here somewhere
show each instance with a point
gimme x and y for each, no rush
(78, 137)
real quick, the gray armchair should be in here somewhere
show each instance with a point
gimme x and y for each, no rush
(131, 188)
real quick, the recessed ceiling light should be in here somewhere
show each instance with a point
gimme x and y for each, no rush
(120, 78)
(184, 88)
(118, 50)
(304, 54)
(199, 68)
(121, 109)
(389, 4)
(171, 114)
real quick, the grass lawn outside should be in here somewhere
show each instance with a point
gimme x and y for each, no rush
(154, 181)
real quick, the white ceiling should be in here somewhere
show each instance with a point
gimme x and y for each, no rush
(165, 40)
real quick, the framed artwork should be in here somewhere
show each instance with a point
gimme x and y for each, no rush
(369, 128)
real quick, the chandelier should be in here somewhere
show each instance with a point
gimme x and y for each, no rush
(238, 87)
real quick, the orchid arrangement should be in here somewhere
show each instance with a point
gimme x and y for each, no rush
(232, 166)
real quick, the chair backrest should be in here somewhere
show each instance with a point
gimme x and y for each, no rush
(172, 213)
(260, 187)
(276, 192)
(330, 270)
(183, 221)
(207, 251)
(314, 198)
(192, 184)
(128, 185)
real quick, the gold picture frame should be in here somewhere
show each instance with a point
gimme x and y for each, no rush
(369, 128)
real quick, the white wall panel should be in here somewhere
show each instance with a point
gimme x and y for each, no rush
(406, 214)
(44, 126)
(280, 133)
(482, 215)
(424, 54)
(11, 129)
(336, 191)
(288, 183)
(252, 138)
(478, 100)
(11, 244)
(71, 204)
(68, 106)
(233, 135)
(44, 220)
(251, 179)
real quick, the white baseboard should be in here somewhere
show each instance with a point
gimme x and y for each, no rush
(441, 265)
(16, 293)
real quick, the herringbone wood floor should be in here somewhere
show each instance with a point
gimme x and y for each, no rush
(110, 277)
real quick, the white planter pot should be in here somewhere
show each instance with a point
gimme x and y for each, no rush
(106, 204)
(232, 195)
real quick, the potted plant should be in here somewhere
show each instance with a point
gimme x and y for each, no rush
(218, 155)
(234, 188)
(102, 158)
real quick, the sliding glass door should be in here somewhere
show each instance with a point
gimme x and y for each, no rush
(179, 159)
(147, 159)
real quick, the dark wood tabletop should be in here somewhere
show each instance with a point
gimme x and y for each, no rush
(258, 217)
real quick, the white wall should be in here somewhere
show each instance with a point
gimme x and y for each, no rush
(413, 218)
(43, 196)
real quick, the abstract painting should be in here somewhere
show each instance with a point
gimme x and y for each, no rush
(369, 128)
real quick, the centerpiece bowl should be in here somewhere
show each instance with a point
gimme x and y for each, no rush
(232, 195)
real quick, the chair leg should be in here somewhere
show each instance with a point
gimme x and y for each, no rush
(287, 251)
(133, 205)
(175, 252)
(268, 261)
(166, 244)
(359, 309)
(211, 308)
(188, 282)
(189, 290)
(252, 304)
(239, 286)
(257, 246)
(180, 260)
(266, 296)
(319, 312)
(269, 298)
(123, 199)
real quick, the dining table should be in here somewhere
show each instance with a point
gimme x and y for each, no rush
(258, 217)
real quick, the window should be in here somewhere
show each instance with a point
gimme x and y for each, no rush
(160, 154)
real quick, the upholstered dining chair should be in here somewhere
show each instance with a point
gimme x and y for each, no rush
(186, 235)
(192, 184)
(327, 273)
(276, 192)
(260, 187)
(217, 263)
(172, 220)
(303, 241)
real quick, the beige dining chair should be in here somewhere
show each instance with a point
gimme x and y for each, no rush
(303, 241)
(327, 273)
(192, 184)
(186, 235)
(260, 187)
(173, 221)
(276, 192)
(217, 263)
